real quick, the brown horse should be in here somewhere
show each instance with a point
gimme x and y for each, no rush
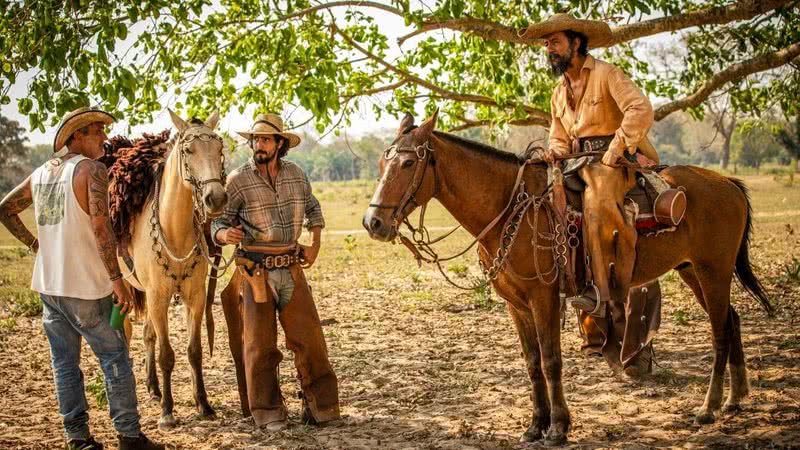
(475, 182)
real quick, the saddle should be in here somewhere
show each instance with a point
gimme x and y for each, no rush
(658, 206)
(653, 205)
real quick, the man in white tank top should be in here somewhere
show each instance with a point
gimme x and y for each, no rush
(76, 272)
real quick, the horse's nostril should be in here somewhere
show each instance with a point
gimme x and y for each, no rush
(210, 202)
(375, 224)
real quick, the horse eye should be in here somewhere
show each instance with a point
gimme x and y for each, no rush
(407, 163)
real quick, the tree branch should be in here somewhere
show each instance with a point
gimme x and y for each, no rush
(444, 93)
(732, 73)
(329, 5)
(479, 27)
(377, 90)
(740, 10)
(469, 123)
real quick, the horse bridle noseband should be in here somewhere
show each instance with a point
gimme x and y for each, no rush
(186, 140)
(424, 154)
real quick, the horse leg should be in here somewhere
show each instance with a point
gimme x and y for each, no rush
(547, 320)
(688, 276)
(157, 313)
(716, 293)
(233, 318)
(195, 308)
(736, 364)
(150, 360)
(540, 420)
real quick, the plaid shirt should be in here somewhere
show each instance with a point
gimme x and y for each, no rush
(269, 216)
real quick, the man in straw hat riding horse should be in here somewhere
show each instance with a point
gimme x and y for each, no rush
(596, 107)
(76, 272)
(269, 202)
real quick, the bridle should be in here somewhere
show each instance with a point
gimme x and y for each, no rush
(420, 243)
(199, 216)
(185, 140)
(424, 158)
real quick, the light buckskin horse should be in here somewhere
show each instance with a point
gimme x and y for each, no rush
(475, 182)
(169, 255)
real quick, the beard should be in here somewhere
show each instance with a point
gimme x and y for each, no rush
(262, 157)
(558, 63)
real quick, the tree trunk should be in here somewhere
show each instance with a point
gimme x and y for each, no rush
(727, 133)
(726, 153)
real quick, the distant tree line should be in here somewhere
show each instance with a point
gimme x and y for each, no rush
(679, 139)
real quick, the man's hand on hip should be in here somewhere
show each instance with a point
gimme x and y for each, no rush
(310, 253)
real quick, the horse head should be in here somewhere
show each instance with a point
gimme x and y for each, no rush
(407, 179)
(202, 163)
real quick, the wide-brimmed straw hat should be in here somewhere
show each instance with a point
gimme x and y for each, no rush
(267, 124)
(75, 120)
(597, 32)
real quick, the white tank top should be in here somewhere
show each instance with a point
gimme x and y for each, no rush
(68, 263)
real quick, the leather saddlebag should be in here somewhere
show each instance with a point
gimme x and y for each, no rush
(670, 207)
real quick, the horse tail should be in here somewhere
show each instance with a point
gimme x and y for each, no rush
(139, 303)
(744, 270)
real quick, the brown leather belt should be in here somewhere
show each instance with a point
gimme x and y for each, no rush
(594, 143)
(268, 261)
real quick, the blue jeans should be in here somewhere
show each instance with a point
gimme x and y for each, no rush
(65, 321)
(281, 280)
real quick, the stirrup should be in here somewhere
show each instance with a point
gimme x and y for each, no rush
(587, 301)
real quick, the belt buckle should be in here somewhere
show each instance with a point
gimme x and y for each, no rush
(283, 261)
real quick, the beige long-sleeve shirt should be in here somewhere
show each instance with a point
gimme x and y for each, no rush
(611, 104)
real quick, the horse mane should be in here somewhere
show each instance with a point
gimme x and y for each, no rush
(132, 170)
(481, 148)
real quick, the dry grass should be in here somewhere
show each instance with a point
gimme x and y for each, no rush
(422, 365)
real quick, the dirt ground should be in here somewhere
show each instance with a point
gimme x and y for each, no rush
(422, 365)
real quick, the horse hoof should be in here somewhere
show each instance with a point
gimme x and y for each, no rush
(555, 438)
(731, 408)
(704, 418)
(167, 422)
(207, 412)
(532, 434)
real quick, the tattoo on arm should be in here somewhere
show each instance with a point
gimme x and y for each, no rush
(98, 191)
(14, 203)
(101, 222)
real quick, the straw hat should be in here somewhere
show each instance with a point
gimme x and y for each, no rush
(598, 32)
(75, 120)
(267, 124)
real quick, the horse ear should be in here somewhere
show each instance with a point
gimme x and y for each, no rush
(213, 120)
(179, 123)
(424, 131)
(405, 124)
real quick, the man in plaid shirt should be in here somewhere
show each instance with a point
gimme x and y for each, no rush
(269, 201)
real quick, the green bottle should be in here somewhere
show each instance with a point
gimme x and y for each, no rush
(117, 318)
